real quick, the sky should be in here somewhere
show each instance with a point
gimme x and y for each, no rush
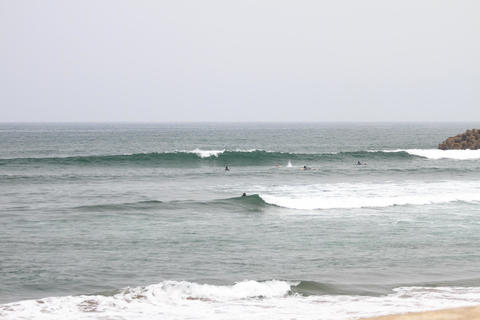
(221, 60)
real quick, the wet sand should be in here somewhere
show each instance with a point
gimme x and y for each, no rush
(466, 313)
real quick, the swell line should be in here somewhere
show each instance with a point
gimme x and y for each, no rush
(238, 158)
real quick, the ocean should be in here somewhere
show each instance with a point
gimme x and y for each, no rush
(142, 221)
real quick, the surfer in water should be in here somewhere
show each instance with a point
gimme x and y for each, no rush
(244, 194)
(306, 168)
(226, 168)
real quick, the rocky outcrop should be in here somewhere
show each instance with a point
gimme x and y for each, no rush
(468, 140)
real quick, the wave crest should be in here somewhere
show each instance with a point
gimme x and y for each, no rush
(321, 197)
(207, 157)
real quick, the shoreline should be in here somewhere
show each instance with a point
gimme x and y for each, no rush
(462, 313)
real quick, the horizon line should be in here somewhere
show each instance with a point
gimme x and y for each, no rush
(239, 122)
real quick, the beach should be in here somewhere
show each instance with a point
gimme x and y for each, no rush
(466, 313)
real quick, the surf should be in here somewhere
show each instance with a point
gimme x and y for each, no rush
(369, 195)
(437, 154)
(275, 299)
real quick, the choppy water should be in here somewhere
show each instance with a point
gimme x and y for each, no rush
(102, 221)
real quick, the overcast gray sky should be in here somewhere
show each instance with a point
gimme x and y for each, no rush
(270, 60)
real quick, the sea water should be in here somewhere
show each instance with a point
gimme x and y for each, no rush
(141, 221)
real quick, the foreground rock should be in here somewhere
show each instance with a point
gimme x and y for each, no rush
(468, 140)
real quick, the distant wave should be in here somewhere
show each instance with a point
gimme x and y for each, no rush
(249, 299)
(319, 197)
(251, 157)
(440, 154)
(140, 205)
(199, 157)
(251, 202)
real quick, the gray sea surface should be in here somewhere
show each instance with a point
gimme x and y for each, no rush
(93, 208)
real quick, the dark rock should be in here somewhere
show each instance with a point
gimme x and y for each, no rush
(468, 140)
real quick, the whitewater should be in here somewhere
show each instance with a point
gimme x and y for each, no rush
(258, 300)
(441, 154)
(365, 195)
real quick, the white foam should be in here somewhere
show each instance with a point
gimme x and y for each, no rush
(426, 153)
(215, 153)
(360, 195)
(441, 154)
(289, 164)
(206, 153)
(245, 300)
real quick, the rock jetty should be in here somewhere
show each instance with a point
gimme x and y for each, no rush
(468, 140)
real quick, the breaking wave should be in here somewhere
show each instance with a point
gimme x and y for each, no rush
(243, 157)
(440, 154)
(320, 196)
(248, 299)
(208, 157)
(363, 195)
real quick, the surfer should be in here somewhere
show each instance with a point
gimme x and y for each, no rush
(306, 168)
(244, 194)
(226, 168)
(359, 163)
